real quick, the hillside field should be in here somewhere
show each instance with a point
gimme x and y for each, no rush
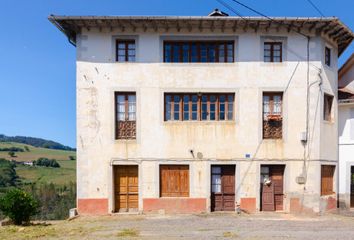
(34, 152)
(63, 175)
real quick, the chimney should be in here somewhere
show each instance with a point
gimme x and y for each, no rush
(218, 13)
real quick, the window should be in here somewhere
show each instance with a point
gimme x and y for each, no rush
(125, 51)
(327, 107)
(199, 106)
(174, 180)
(125, 115)
(327, 56)
(202, 51)
(327, 173)
(216, 179)
(273, 52)
(272, 115)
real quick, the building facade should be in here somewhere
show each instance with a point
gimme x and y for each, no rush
(346, 134)
(200, 114)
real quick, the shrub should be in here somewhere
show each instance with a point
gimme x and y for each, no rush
(26, 148)
(72, 158)
(12, 154)
(45, 162)
(18, 205)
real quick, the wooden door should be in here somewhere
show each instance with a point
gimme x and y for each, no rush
(126, 188)
(352, 187)
(272, 195)
(268, 198)
(223, 188)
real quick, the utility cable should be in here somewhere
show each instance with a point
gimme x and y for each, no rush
(315, 7)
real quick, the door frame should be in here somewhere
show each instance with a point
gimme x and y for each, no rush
(259, 189)
(112, 181)
(351, 188)
(216, 164)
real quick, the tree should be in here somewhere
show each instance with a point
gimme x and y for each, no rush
(26, 148)
(12, 154)
(8, 175)
(18, 205)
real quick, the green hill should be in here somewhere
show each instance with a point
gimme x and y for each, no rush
(34, 152)
(63, 175)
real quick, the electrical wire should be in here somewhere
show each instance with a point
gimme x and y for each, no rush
(230, 8)
(315, 7)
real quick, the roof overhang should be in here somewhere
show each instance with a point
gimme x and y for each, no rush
(331, 27)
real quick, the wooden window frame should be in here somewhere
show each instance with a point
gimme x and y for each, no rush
(199, 106)
(198, 44)
(328, 54)
(272, 44)
(181, 192)
(126, 43)
(327, 179)
(126, 94)
(327, 113)
(278, 117)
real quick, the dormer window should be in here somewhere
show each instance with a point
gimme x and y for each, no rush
(273, 52)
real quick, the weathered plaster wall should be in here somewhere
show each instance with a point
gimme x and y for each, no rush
(346, 150)
(99, 76)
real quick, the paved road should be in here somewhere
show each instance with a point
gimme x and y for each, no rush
(230, 226)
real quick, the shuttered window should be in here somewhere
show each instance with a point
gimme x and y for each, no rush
(327, 173)
(125, 115)
(174, 180)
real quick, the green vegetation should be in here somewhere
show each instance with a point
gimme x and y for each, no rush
(51, 181)
(45, 162)
(36, 142)
(8, 176)
(34, 153)
(11, 149)
(18, 205)
(59, 176)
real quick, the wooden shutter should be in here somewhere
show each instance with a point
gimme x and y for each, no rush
(327, 173)
(174, 180)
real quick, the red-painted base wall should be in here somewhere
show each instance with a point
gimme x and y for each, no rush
(248, 205)
(92, 206)
(175, 205)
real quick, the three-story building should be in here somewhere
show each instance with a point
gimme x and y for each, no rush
(206, 113)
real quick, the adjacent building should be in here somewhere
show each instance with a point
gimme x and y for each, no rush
(346, 134)
(206, 113)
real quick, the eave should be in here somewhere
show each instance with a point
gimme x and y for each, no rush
(331, 27)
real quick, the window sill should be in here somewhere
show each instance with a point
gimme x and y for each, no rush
(208, 64)
(125, 140)
(272, 139)
(199, 123)
(330, 122)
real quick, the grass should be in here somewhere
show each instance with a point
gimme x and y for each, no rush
(34, 152)
(229, 235)
(30, 232)
(63, 175)
(127, 232)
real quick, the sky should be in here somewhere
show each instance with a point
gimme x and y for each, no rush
(37, 64)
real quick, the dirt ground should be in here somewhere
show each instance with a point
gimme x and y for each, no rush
(204, 226)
